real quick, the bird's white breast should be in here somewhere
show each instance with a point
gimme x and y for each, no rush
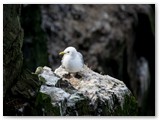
(72, 64)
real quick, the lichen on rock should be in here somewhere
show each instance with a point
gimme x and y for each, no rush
(87, 93)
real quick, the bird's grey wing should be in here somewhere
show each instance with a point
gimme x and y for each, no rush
(81, 57)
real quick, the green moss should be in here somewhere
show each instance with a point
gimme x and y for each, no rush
(82, 107)
(39, 70)
(44, 106)
(129, 107)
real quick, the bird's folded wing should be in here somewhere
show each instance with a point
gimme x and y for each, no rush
(81, 57)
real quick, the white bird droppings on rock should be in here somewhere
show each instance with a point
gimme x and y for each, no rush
(91, 90)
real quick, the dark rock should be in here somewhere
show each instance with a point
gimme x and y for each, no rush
(12, 44)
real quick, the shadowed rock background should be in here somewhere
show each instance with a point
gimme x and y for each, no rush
(118, 40)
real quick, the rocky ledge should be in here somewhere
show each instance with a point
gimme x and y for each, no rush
(84, 93)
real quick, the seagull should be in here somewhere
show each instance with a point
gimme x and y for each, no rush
(72, 60)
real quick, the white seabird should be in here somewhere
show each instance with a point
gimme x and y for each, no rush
(72, 60)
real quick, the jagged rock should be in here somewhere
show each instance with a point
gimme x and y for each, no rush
(27, 85)
(87, 93)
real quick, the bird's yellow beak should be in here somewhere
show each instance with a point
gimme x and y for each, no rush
(61, 53)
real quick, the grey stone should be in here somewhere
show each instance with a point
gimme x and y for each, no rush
(92, 93)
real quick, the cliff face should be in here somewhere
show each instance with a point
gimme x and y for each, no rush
(19, 85)
(12, 44)
(87, 93)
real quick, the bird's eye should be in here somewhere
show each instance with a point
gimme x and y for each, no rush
(68, 52)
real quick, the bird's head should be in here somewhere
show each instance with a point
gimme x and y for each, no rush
(68, 51)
